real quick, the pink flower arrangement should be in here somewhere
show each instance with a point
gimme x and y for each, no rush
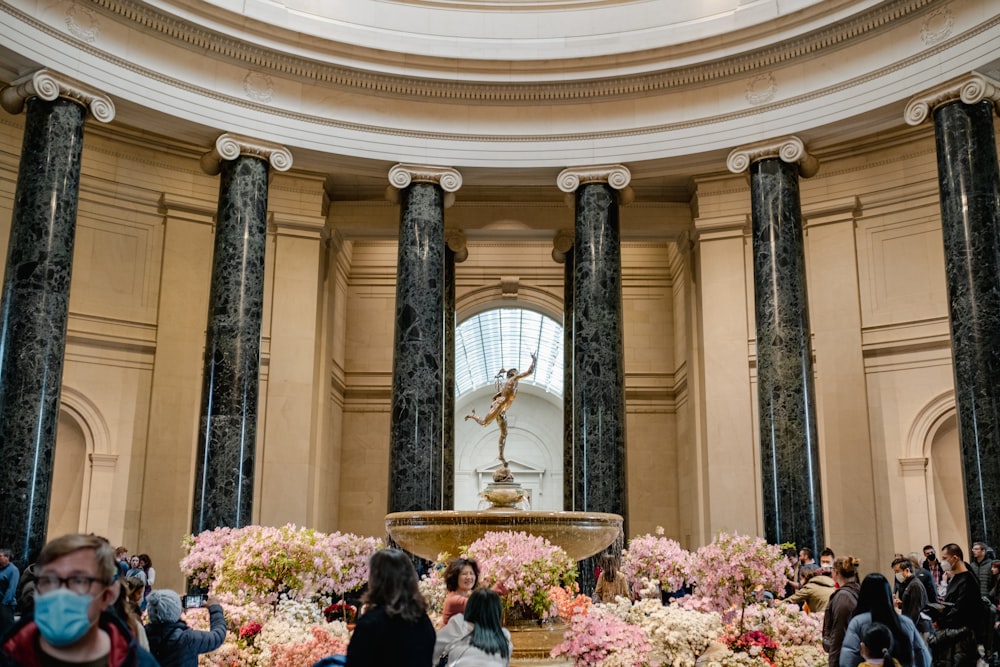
(259, 562)
(735, 570)
(569, 603)
(755, 642)
(600, 638)
(322, 644)
(657, 558)
(522, 568)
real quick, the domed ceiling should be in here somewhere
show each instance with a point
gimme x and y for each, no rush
(507, 91)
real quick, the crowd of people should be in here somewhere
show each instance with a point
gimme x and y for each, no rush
(939, 611)
(78, 604)
(82, 602)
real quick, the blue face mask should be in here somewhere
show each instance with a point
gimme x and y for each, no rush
(61, 616)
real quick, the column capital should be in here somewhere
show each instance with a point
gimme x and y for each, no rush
(616, 175)
(401, 175)
(231, 146)
(457, 243)
(49, 85)
(562, 242)
(790, 149)
(970, 88)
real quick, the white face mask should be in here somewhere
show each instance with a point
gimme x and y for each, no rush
(945, 565)
(900, 577)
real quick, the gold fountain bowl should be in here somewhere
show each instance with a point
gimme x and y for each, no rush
(427, 534)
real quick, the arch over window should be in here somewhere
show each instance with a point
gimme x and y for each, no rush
(505, 338)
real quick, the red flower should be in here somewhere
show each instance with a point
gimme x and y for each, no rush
(249, 629)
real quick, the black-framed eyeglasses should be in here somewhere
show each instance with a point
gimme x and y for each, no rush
(78, 583)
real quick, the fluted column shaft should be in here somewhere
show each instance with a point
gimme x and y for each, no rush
(455, 253)
(416, 438)
(35, 303)
(785, 387)
(227, 434)
(562, 252)
(969, 184)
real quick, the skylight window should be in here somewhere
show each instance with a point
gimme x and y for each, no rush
(505, 338)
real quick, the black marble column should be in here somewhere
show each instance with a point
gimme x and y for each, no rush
(788, 434)
(969, 181)
(416, 441)
(455, 253)
(563, 252)
(598, 356)
(227, 436)
(35, 307)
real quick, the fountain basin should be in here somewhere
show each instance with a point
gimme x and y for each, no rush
(427, 534)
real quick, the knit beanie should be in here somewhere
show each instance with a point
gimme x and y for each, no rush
(163, 606)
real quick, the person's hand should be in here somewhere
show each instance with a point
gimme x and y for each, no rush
(210, 600)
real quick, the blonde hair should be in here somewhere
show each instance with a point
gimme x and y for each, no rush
(847, 567)
(104, 553)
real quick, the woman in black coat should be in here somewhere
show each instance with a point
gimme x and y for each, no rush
(394, 628)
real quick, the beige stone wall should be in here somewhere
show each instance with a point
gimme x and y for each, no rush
(132, 383)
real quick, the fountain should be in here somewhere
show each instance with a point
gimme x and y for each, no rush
(428, 534)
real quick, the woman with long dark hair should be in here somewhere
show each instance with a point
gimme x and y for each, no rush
(460, 578)
(476, 636)
(875, 606)
(394, 628)
(611, 583)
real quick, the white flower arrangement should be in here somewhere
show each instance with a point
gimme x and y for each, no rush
(677, 636)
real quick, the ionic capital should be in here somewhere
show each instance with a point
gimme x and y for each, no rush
(231, 146)
(970, 88)
(457, 243)
(788, 149)
(616, 175)
(48, 85)
(562, 242)
(401, 175)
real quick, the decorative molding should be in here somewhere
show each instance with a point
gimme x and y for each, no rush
(865, 25)
(937, 26)
(788, 149)
(258, 86)
(401, 175)
(103, 461)
(913, 465)
(49, 85)
(971, 88)
(761, 89)
(231, 146)
(82, 23)
(616, 175)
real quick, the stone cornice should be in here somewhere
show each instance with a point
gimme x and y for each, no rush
(971, 89)
(864, 25)
(789, 149)
(49, 85)
(231, 146)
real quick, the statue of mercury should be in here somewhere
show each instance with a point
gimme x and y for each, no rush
(506, 380)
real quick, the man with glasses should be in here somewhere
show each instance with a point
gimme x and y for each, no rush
(75, 586)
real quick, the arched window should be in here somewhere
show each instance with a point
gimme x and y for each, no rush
(505, 338)
(485, 343)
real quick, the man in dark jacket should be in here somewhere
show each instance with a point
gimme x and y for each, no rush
(981, 566)
(912, 595)
(171, 641)
(75, 586)
(961, 617)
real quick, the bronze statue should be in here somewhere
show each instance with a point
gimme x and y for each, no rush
(506, 380)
